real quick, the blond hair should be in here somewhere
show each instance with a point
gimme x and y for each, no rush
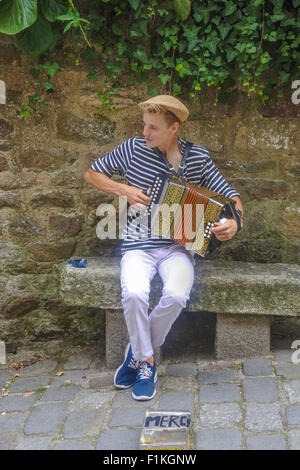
(157, 108)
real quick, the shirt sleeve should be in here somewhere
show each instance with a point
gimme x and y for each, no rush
(213, 180)
(115, 162)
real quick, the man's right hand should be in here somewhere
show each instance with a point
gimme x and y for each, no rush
(137, 198)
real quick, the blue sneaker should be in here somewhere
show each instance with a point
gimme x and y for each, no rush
(126, 374)
(144, 388)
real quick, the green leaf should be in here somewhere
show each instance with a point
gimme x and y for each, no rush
(224, 30)
(54, 8)
(164, 78)
(230, 8)
(16, 15)
(50, 67)
(296, 3)
(182, 9)
(134, 4)
(92, 75)
(38, 38)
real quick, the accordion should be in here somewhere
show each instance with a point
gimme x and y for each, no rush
(185, 213)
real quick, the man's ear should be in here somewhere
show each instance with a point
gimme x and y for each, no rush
(175, 127)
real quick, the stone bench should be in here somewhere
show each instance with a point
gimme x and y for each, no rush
(244, 296)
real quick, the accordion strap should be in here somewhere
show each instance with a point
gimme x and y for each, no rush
(184, 157)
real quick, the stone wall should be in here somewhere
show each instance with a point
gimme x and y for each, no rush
(48, 212)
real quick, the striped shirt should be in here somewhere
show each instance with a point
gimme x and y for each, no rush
(140, 164)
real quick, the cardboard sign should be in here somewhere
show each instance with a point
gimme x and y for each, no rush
(164, 430)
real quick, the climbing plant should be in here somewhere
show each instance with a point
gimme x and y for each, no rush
(187, 44)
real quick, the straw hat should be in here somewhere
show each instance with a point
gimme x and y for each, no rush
(171, 104)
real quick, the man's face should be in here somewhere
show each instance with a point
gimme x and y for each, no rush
(157, 130)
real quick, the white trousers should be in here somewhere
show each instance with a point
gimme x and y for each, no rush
(175, 266)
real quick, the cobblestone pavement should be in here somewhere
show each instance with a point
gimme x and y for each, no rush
(247, 404)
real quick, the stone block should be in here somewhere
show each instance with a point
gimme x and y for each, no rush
(11, 422)
(219, 439)
(127, 417)
(262, 389)
(69, 444)
(217, 376)
(219, 415)
(176, 401)
(119, 439)
(242, 336)
(181, 370)
(219, 393)
(264, 417)
(34, 443)
(257, 367)
(292, 413)
(292, 388)
(294, 439)
(46, 418)
(266, 442)
(82, 423)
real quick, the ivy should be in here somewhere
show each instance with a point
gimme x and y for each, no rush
(186, 45)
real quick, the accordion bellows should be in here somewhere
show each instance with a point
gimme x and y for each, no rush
(185, 212)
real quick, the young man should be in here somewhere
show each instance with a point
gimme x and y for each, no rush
(140, 160)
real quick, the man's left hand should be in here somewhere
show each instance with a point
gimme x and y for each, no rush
(224, 231)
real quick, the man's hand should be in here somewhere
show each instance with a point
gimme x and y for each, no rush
(224, 231)
(137, 198)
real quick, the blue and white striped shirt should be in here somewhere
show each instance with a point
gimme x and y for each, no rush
(140, 164)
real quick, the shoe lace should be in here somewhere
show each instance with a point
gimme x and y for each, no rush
(145, 371)
(133, 363)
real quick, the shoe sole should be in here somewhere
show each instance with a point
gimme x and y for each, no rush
(145, 397)
(122, 387)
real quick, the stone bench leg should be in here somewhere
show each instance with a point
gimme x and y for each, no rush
(242, 336)
(117, 339)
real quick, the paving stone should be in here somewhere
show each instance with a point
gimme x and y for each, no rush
(28, 384)
(292, 413)
(39, 368)
(288, 370)
(292, 388)
(257, 367)
(119, 439)
(123, 399)
(218, 376)
(260, 389)
(45, 418)
(221, 414)
(176, 401)
(101, 379)
(294, 439)
(73, 445)
(181, 370)
(266, 442)
(5, 375)
(263, 417)
(11, 422)
(62, 393)
(8, 440)
(91, 398)
(34, 443)
(77, 377)
(78, 361)
(127, 417)
(219, 439)
(83, 423)
(219, 393)
(16, 402)
(283, 355)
